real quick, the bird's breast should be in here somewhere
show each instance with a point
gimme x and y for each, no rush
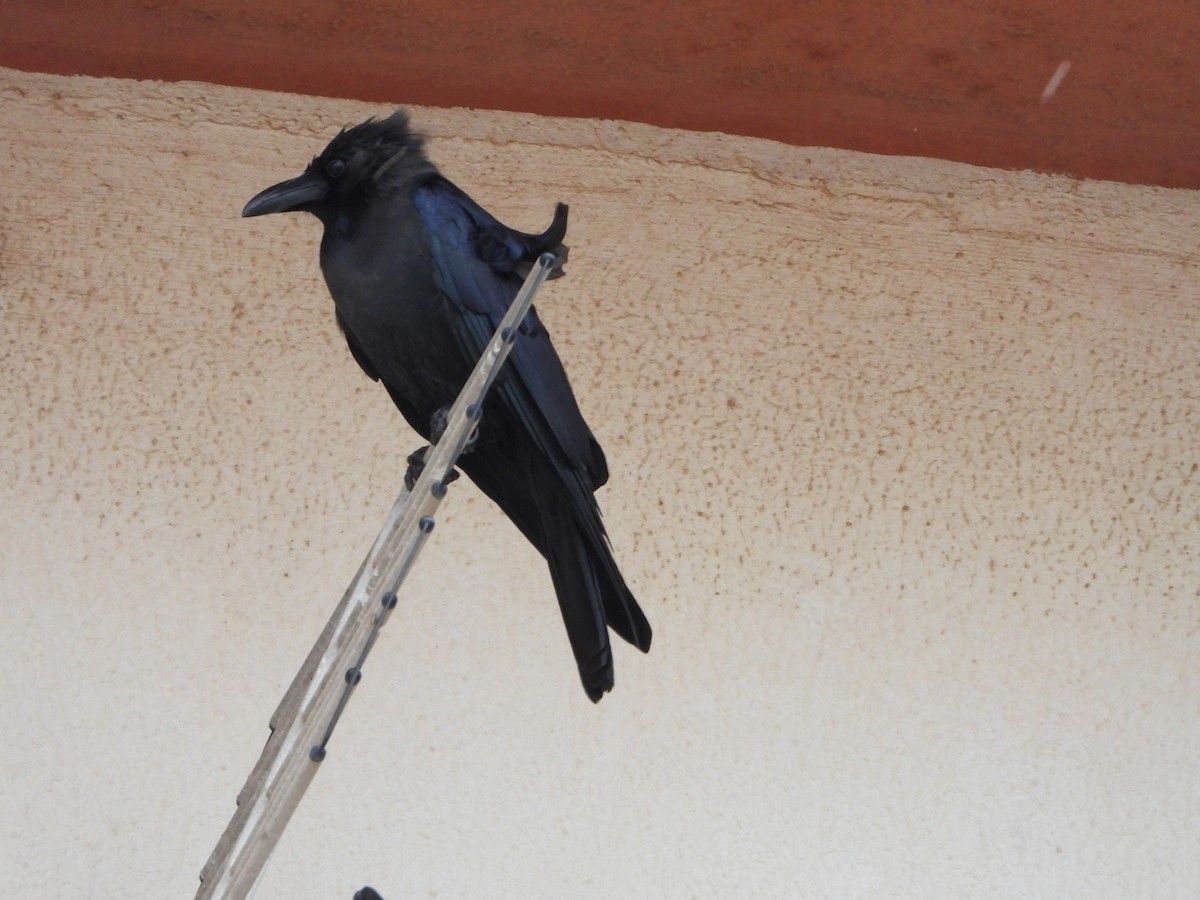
(381, 280)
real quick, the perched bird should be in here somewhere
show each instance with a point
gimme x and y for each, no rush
(420, 276)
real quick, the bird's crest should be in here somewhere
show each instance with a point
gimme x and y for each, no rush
(375, 147)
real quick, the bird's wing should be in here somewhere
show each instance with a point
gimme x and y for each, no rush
(478, 264)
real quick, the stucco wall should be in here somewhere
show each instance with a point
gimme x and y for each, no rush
(904, 467)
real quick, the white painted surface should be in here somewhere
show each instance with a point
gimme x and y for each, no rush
(904, 463)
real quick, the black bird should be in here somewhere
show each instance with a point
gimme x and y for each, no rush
(420, 276)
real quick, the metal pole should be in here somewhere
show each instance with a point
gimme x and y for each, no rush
(305, 718)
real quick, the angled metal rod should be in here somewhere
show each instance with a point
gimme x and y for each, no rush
(303, 722)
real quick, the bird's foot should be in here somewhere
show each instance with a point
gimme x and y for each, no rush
(416, 465)
(437, 427)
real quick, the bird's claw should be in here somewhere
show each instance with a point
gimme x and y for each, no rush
(437, 427)
(416, 465)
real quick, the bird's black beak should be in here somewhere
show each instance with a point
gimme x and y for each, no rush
(288, 196)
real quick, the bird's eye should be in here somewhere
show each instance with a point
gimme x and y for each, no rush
(335, 167)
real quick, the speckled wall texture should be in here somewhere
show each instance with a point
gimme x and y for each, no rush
(904, 470)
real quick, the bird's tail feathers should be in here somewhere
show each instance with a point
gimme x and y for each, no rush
(621, 610)
(560, 517)
(591, 592)
(582, 604)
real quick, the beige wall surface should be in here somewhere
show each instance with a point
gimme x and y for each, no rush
(905, 473)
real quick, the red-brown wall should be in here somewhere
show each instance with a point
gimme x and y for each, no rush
(961, 80)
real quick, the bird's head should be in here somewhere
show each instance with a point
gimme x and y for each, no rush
(358, 164)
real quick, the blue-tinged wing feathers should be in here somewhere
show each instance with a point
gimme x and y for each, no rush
(479, 265)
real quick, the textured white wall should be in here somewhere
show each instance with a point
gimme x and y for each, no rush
(904, 463)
